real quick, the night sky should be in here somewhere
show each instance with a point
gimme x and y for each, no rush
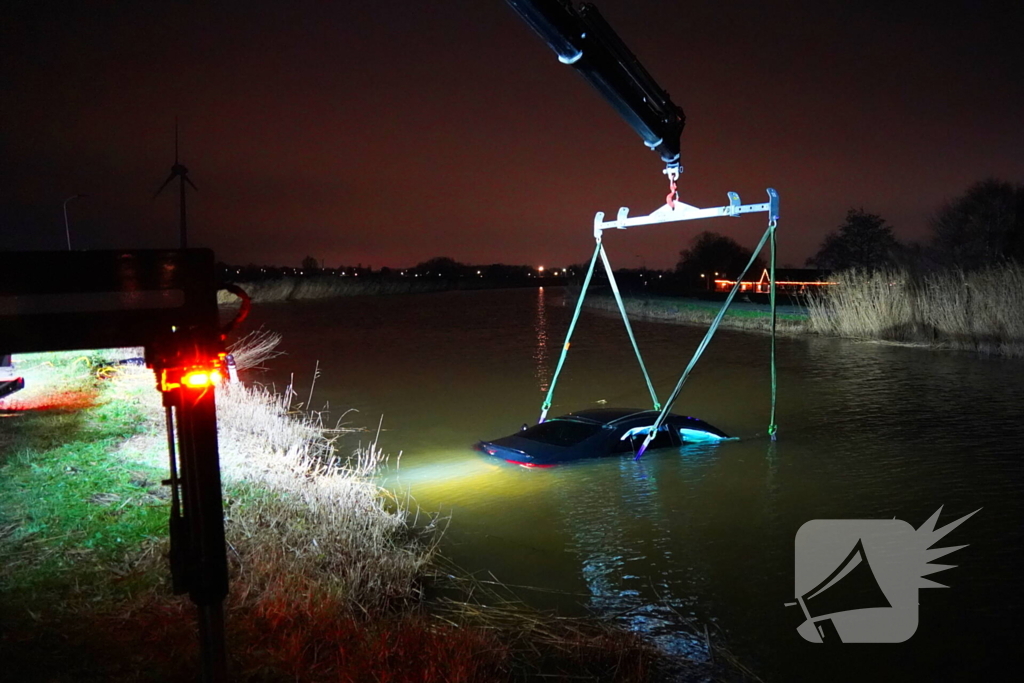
(386, 133)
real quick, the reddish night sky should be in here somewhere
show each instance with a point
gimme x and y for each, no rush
(386, 133)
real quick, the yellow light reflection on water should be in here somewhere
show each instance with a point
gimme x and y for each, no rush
(451, 477)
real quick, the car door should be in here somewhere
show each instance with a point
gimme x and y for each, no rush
(629, 436)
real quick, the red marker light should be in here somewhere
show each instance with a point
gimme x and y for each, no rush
(198, 379)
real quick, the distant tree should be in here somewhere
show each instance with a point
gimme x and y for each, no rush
(982, 227)
(709, 253)
(503, 271)
(865, 241)
(441, 265)
(310, 263)
(576, 271)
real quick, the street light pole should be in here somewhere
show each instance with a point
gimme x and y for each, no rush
(67, 228)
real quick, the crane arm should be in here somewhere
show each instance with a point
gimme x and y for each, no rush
(583, 39)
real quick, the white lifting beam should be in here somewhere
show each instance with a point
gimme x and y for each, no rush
(680, 211)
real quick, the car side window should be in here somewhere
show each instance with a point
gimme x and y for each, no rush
(664, 439)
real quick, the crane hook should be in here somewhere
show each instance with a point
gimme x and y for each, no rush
(673, 196)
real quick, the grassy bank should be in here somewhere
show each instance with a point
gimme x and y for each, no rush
(327, 570)
(981, 311)
(84, 516)
(698, 312)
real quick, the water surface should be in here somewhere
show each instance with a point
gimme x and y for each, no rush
(698, 535)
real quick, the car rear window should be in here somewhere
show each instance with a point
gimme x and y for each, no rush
(560, 432)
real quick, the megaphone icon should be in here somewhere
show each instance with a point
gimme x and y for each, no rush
(851, 586)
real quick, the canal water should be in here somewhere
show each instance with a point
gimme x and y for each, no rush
(699, 536)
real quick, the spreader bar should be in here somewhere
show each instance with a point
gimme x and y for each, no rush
(681, 211)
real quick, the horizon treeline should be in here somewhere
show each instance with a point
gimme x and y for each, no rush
(979, 229)
(438, 267)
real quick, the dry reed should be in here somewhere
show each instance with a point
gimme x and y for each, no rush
(255, 348)
(979, 311)
(301, 519)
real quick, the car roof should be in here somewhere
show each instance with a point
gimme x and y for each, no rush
(605, 416)
(611, 416)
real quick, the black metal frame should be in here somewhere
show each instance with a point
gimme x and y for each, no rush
(166, 302)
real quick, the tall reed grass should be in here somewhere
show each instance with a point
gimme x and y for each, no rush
(979, 311)
(302, 516)
(255, 348)
(306, 519)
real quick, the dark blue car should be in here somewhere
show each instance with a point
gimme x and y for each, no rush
(594, 434)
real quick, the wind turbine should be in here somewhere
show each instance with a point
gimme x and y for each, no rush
(179, 171)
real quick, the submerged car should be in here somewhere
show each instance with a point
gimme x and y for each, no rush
(596, 433)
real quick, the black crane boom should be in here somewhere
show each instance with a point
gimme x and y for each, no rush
(583, 39)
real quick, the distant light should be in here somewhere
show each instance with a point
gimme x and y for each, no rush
(540, 269)
(478, 272)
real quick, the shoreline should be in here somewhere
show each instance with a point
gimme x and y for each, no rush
(756, 318)
(744, 316)
(293, 288)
